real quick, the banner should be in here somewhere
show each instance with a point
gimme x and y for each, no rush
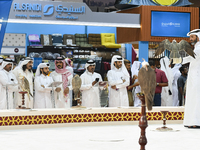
(4, 13)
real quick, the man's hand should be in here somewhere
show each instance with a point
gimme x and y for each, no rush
(94, 82)
(58, 89)
(42, 86)
(113, 87)
(66, 91)
(135, 77)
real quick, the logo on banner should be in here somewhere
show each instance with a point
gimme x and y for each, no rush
(166, 24)
(16, 50)
(0, 26)
(48, 10)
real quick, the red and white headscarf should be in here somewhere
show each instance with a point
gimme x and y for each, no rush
(68, 61)
(65, 72)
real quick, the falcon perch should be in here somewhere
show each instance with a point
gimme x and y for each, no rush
(174, 48)
(147, 81)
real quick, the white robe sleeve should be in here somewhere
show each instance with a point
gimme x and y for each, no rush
(187, 59)
(112, 81)
(125, 84)
(70, 82)
(190, 58)
(13, 88)
(3, 79)
(15, 72)
(49, 88)
(39, 87)
(83, 85)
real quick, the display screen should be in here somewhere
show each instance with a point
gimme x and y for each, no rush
(170, 24)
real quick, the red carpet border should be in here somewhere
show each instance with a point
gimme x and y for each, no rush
(80, 118)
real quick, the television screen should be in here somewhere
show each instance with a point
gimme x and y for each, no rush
(170, 24)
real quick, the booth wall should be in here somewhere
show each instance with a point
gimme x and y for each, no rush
(61, 29)
(51, 29)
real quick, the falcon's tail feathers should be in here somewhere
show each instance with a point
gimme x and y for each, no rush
(149, 101)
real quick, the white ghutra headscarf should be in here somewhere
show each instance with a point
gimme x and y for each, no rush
(41, 65)
(6, 62)
(123, 68)
(89, 63)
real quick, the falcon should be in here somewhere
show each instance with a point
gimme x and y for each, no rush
(76, 85)
(147, 81)
(174, 48)
(24, 85)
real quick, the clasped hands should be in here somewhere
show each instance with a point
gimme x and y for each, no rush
(66, 91)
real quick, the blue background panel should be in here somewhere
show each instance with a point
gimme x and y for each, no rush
(170, 24)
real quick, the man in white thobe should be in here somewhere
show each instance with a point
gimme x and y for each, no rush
(61, 74)
(166, 94)
(176, 75)
(25, 70)
(135, 70)
(69, 67)
(42, 91)
(89, 87)
(19, 64)
(7, 85)
(118, 80)
(192, 102)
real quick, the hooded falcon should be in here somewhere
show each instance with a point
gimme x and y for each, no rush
(76, 85)
(174, 48)
(147, 81)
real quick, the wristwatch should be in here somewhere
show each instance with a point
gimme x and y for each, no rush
(157, 84)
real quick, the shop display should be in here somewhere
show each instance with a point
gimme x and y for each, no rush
(14, 40)
(95, 40)
(57, 39)
(81, 40)
(34, 55)
(108, 40)
(75, 47)
(46, 39)
(34, 40)
(69, 40)
(14, 44)
(56, 55)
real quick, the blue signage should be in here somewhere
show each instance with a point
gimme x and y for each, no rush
(48, 10)
(170, 24)
(4, 13)
(62, 12)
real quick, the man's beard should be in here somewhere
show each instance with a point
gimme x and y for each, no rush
(46, 73)
(59, 67)
(118, 66)
(193, 43)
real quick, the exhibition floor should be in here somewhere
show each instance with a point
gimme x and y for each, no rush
(107, 137)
